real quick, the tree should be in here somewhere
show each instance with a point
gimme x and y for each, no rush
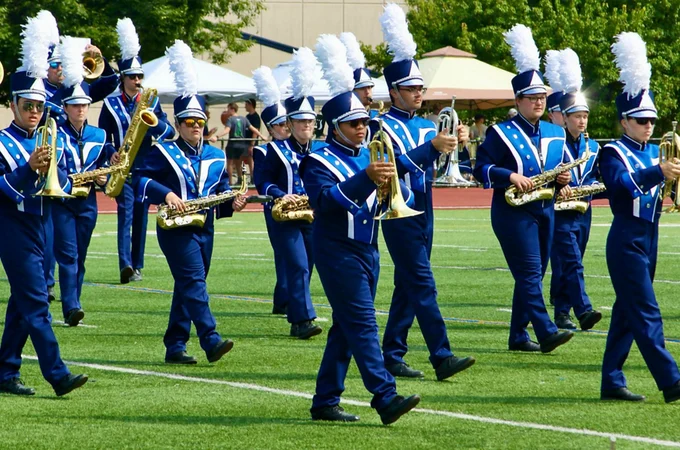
(207, 26)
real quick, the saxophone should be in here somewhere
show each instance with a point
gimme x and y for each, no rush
(194, 210)
(295, 209)
(142, 119)
(81, 182)
(574, 202)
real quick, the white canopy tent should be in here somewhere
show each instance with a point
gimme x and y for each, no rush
(217, 84)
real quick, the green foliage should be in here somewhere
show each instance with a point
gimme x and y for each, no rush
(587, 26)
(158, 23)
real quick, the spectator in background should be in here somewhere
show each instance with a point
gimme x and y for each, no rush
(209, 134)
(237, 146)
(254, 119)
(478, 130)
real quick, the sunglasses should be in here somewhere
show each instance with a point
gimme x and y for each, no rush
(193, 122)
(356, 122)
(30, 107)
(55, 65)
(136, 76)
(644, 120)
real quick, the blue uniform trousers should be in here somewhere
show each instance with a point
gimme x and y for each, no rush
(572, 230)
(74, 222)
(22, 255)
(409, 242)
(525, 234)
(188, 251)
(281, 288)
(294, 243)
(131, 214)
(349, 279)
(50, 260)
(631, 260)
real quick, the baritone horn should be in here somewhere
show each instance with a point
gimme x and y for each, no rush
(451, 176)
(46, 137)
(397, 208)
(669, 150)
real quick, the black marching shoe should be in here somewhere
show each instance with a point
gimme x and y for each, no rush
(333, 414)
(69, 383)
(402, 370)
(15, 386)
(452, 365)
(528, 346)
(589, 319)
(555, 340)
(563, 322)
(137, 275)
(219, 350)
(50, 294)
(305, 330)
(126, 274)
(180, 358)
(74, 317)
(279, 310)
(672, 393)
(397, 408)
(621, 394)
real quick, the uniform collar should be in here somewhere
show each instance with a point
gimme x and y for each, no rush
(127, 99)
(16, 129)
(527, 126)
(401, 113)
(572, 140)
(73, 132)
(189, 149)
(53, 86)
(351, 151)
(300, 148)
(632, 143)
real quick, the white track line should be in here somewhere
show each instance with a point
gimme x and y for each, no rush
(289, 393)
(82, 325)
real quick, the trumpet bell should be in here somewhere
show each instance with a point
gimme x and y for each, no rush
(93, 65)
(2, 73)
(398, 211)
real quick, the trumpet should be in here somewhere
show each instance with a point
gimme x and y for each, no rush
(93, 65)
(397, 208)
(47, 138)
(669, 150)
(448, 120)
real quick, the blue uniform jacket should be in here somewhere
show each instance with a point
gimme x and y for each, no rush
(17, 180)
(259, 158)
(115, 120)
(85, 150)
(342, 195)
(631, 172)
(280, 172)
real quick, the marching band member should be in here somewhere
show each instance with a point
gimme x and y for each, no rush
(572, 228)
(172, 173)
(363, 83)
(85, 149)
(281, 180)
(342, 190)
(115, 119)
(22, 222)
(409, 240)
(514, 151)
(553, 73)
(274, 118)
(634, 176)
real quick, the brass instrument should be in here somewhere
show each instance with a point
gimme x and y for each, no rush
(574, 202)
(296, 209)
(397, 208)
(93, 65)
(47, 137)
(2, 73)
(81, 181)
(448, 120)
(669, 150)
(194, 210)
(142, 119)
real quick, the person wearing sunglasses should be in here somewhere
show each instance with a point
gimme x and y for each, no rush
(341, 181)
(281, 180)
(115, 119)
(174, 172)
(634, 177)
(572, 228)
(85, 149)
(409, 241)
(22, 224)
(512, 153)
(274, 118)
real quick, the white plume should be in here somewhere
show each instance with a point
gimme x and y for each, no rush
(181, 63)
(128, 41)
(399, 40)
(336, 69)
(553, 71)
(630, 54)
(35, 45)
(571, 71)
(302, 73)
(355, 56)
(71, 51)
(50, 23)
(523, 48)
(267, 88)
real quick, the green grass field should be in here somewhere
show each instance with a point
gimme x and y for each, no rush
(258, 395)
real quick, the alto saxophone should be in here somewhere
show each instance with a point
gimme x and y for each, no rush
(194, 210)
(142, 119)
(574, 202)
(81, 181)
(295, 209)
